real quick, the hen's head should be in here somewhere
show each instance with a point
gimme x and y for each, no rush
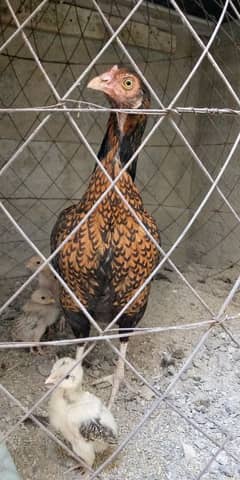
(43, 296)
(124, 88)
(72, 380)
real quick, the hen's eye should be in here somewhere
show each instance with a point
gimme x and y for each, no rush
(127, 83)
(43, 298)
(38, 262)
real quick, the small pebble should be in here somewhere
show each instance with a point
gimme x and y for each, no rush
(226, 470)
(189, 452)
(167, 359)
(171, 370)
(223, 458)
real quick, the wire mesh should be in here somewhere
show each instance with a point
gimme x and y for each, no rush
(45, 130)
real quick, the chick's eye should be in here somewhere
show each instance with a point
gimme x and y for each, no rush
(67, 377)
(43, 298)
(127, 83)
(38, 262)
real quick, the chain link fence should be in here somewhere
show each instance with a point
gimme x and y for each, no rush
(51, 130)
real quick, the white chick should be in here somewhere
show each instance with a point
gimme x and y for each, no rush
(78, 415)
(39, 313)
(46, 279)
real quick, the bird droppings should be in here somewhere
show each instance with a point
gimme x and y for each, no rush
(167, 447)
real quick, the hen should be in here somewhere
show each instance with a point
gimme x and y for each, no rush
(110, 256)
(38, 314)
(78, 415)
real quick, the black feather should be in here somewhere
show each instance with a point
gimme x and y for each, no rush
(94, 430)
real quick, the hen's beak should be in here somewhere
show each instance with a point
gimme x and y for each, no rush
(102, 81)
(96, 83)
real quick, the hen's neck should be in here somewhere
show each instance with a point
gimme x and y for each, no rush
(123, 137)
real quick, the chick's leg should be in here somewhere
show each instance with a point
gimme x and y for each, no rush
(37, 350)
(86, 451)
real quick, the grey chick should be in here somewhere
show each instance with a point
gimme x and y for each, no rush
(78, 415)
(46, 279)
(38, 314)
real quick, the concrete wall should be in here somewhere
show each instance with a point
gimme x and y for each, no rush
(214, 239)
(53, 170)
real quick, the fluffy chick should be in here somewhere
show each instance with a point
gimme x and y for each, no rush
(46, 279)
(78, 415)
(38, 314)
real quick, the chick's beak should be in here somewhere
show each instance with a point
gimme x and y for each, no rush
(50, 380)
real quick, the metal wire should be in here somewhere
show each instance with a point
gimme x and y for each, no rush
(216, 319)
(90, 107)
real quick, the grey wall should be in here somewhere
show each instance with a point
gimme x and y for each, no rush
(53, 171)
(214, 239)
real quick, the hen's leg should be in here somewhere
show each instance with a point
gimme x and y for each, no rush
(80, 326)
(62, 324)
(126, 322)
(118, 376)
(78, 322)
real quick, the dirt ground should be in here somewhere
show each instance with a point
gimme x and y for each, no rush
(167, 447)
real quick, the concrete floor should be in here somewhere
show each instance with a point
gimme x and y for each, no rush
(167, 447)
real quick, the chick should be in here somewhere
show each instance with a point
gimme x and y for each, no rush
(78, 415)
(38, 313)
(46, 279)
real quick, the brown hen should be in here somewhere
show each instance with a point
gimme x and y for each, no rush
(110, 256)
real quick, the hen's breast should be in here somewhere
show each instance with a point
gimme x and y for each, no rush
(110, 256)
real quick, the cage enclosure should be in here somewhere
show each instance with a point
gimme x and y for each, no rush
(188, 171)
(52, 171)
